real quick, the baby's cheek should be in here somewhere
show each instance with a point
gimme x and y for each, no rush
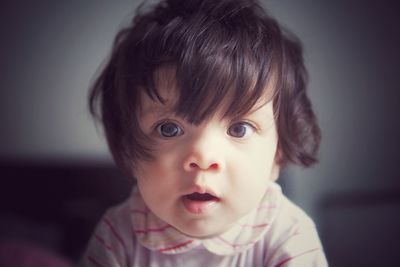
(246, 198)
(255, 180)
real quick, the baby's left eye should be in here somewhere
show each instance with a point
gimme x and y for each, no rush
(240, 130)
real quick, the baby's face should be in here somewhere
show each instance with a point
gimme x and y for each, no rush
(204, 178)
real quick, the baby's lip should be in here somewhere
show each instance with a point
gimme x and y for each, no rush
(200, 203)
(196, 196)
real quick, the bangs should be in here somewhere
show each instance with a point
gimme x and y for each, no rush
(218, 64)
(229, 85)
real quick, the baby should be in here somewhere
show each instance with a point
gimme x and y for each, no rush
(203, 102)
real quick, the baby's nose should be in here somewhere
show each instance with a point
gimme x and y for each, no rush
(206, 154)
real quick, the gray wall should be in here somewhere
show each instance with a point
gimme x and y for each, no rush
(50, 52)
(351, 49)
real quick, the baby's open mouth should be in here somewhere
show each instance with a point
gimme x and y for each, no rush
(200, 203)
(201, 197)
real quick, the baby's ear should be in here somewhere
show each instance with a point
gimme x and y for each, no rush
(278, 156)
(274, 172)
(276, 165)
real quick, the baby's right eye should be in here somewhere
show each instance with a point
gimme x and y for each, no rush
(169, 129)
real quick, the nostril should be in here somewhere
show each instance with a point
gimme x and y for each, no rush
(193, 165)
(214, 166)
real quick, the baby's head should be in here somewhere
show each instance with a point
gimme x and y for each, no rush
(203, 101)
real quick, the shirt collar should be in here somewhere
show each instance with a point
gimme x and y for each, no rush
(154, 234)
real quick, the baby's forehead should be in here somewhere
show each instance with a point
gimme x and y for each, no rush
(155, 106)
(169, 104)
(166, 95)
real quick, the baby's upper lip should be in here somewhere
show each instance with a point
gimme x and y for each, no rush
(201, 197)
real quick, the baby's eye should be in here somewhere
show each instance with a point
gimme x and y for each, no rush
(169, 129)
(240, 130)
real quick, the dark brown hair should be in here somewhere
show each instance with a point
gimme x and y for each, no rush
(216, 48)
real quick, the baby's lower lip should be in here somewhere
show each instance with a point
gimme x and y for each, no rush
(199, 205)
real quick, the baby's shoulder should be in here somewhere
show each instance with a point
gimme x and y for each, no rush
(291, 215)
(292, 236)
(120, 213)
(290, 221)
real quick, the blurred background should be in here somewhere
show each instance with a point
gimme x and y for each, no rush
(57, 176)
